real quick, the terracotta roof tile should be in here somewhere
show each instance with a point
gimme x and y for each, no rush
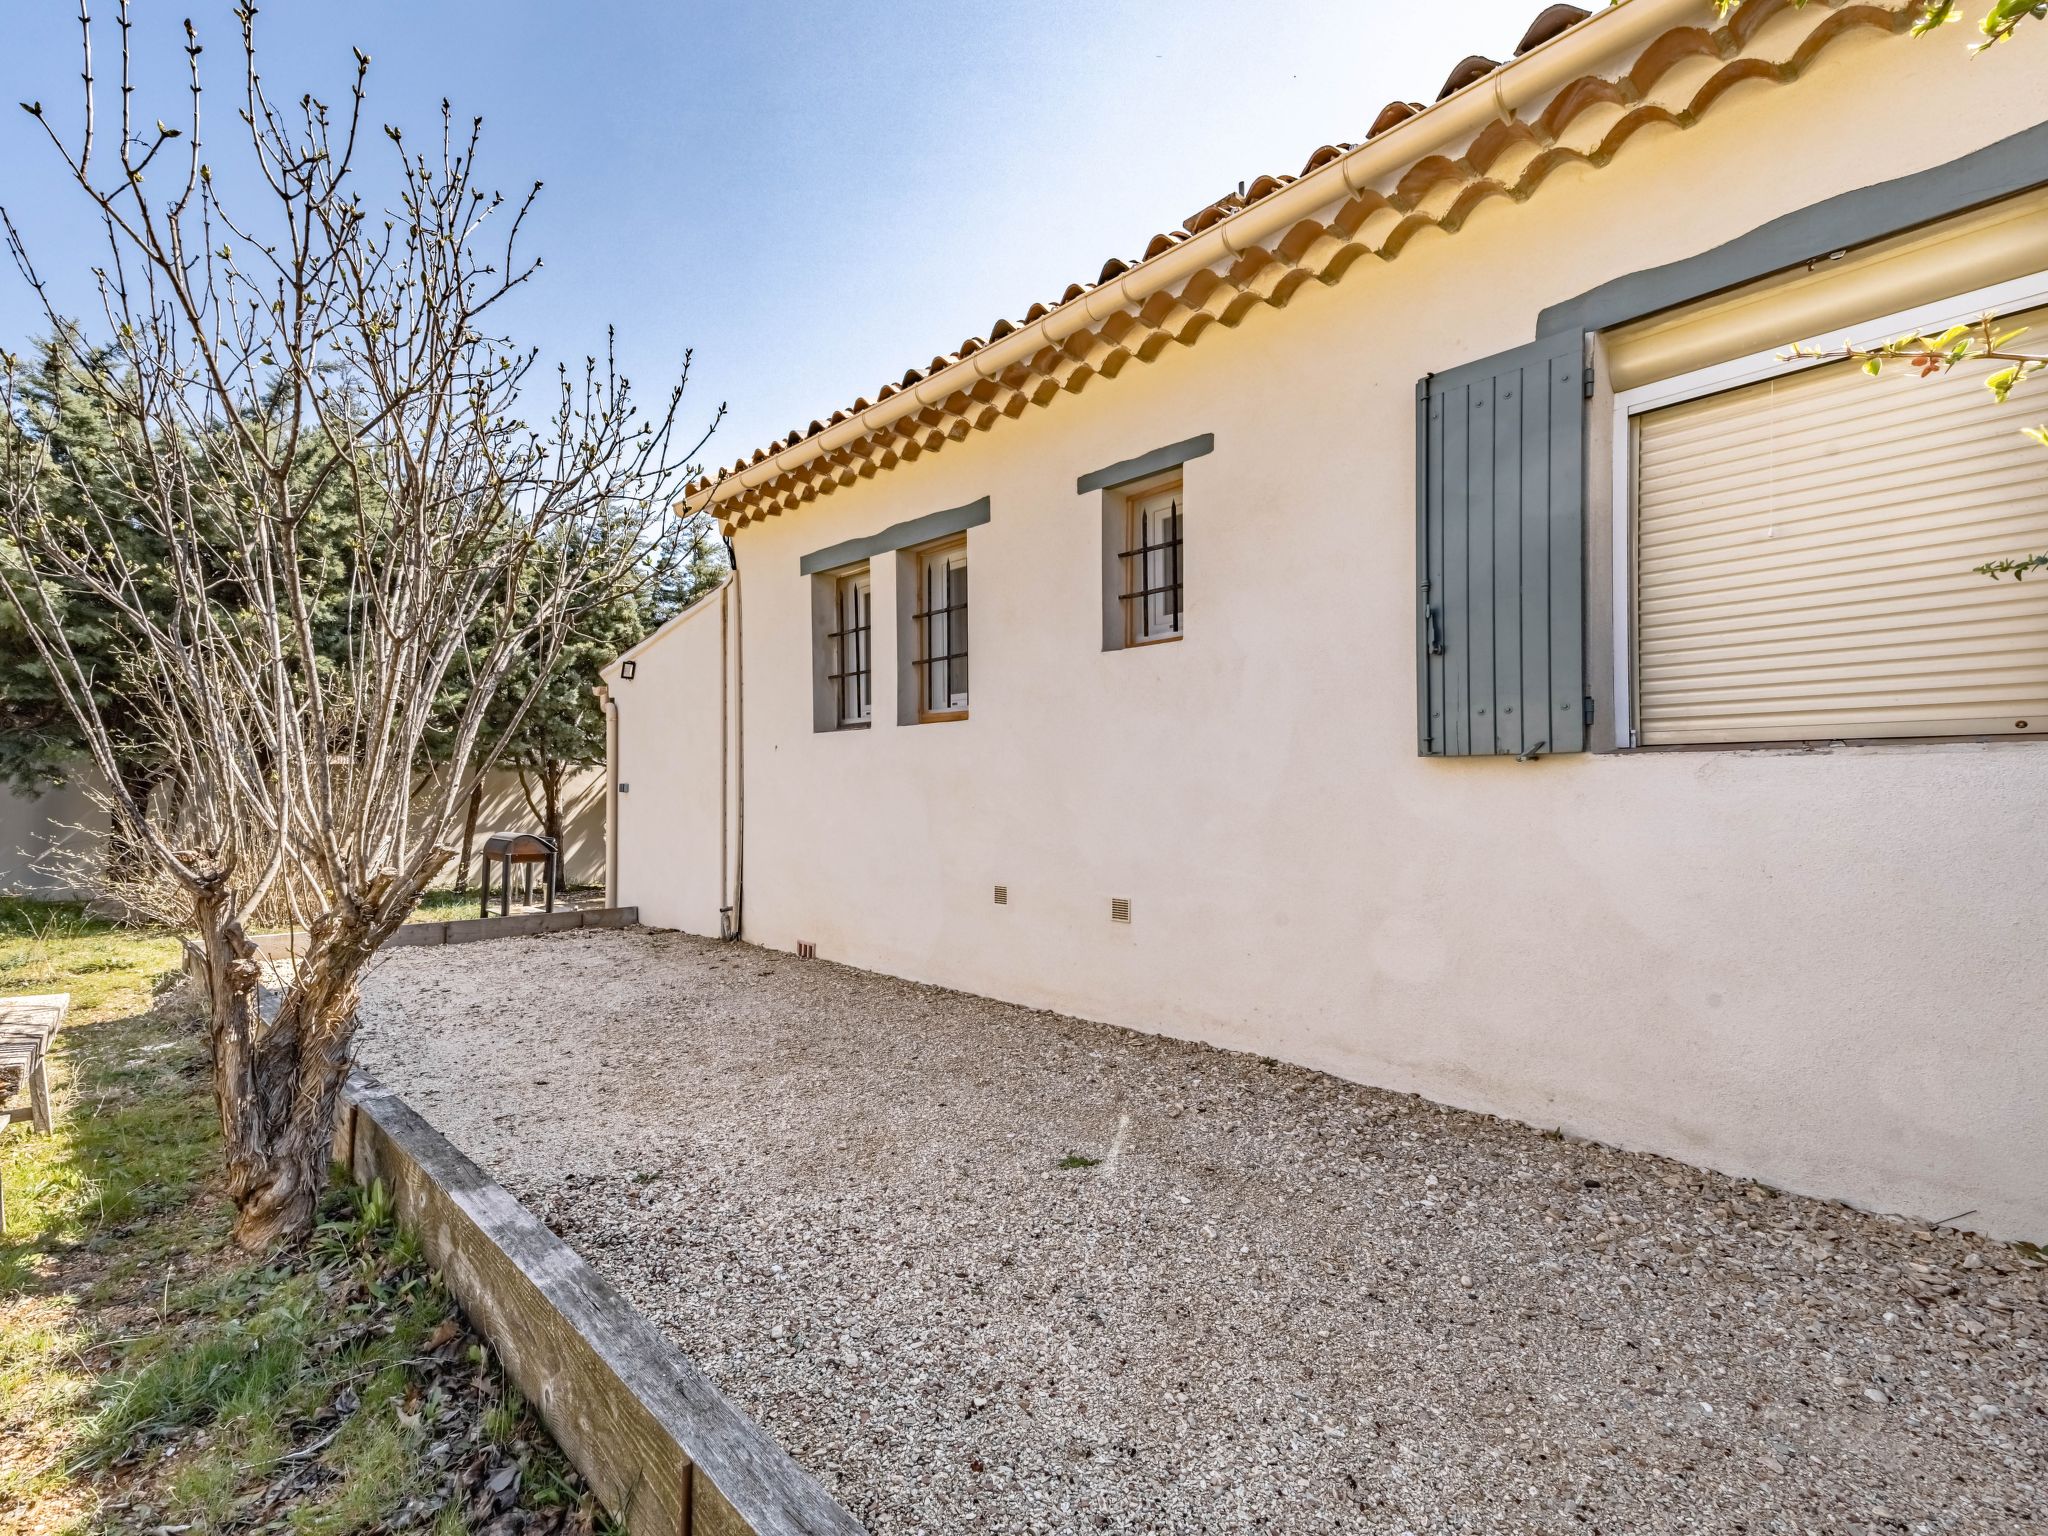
(1470, 70)
(1548, 24)
(1392, 115)
(1585, 120)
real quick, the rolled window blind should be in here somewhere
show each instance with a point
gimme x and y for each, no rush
(1804, 555)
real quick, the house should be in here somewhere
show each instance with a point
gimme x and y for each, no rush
(1413, 621)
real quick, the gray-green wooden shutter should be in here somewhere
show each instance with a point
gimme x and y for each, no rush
(1500, 554)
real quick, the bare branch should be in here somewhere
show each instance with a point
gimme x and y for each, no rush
(330, 512)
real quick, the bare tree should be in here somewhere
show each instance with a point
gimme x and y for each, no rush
(317, 423)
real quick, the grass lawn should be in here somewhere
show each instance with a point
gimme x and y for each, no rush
(153, 1377)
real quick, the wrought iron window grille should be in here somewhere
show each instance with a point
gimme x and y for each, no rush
(1151, 578)
(852, 643)
(941, 674)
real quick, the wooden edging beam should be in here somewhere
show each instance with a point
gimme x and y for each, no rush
(659, 1444)
(468, 930)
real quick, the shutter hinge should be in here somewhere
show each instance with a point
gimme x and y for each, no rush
(1589, 383)
(1589, 709)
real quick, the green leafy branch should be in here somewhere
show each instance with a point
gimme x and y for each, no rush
(1979, 341)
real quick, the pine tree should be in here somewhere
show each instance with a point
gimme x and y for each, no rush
(565, 728)
(40, 741)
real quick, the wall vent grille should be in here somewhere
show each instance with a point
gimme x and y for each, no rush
(806, 950)
(1002, 895)
(1119, 909)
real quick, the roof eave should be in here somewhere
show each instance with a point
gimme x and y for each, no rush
(1628, 29)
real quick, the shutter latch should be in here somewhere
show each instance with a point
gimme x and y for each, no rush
(1433, 630)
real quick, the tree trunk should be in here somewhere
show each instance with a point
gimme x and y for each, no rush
(277, 1169)
(267, 1178)
(551, 788)
(476, 804)
(277, 1084)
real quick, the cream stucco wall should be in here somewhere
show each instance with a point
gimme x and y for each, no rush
(669, 753)
(1817, 968)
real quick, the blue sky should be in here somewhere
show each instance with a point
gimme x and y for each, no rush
(813, 196)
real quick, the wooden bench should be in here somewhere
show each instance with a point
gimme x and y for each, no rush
(26, 1025)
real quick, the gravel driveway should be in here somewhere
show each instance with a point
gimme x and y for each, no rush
(982, 1268)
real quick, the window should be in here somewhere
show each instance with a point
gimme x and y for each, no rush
(1151, 566)
(1799, 560)
(851, 671)
(1142, 500)
(940, 665)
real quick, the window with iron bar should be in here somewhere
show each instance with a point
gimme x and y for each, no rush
(852, 640)
(941, 618)
(1152, 567)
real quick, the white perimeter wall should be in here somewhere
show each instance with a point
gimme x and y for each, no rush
(504, 809)
(40, 834)
(1819, 968)
(31, 825)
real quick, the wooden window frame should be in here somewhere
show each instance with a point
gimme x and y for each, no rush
(951, 554)
(1137, 587)
(859, 670)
